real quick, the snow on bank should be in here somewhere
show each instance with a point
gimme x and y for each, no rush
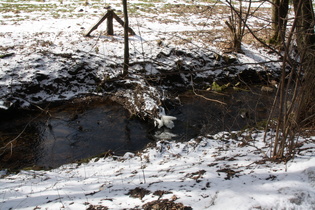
(46, 58)
(224, 171)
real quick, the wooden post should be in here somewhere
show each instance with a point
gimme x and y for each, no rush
(110, 15)
(110, 28)
(97, 24)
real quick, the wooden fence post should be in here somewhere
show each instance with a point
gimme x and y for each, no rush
(110, 28)
(110, 15)
(97, 25)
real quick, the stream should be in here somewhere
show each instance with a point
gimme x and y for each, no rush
(74, 130)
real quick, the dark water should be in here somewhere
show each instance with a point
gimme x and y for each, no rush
(71, 132)
(198, 116)
(83, 129)
(98, 129)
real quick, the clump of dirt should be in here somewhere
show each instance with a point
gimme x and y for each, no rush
(164, 204)
(97, 207)
(138, 192)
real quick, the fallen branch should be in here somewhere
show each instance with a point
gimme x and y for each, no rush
(10, 143)
(206, 98)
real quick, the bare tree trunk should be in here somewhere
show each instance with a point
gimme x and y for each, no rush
(297, 111)
(306, 47)
(275, 20)
(305, 28)
(126, 39)
(280, 10)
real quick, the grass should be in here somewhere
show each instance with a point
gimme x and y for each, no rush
(184, 9)
(155, 1)
(143, 7)
(46, 9)
(27, 8)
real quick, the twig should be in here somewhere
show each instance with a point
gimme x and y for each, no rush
(202, 96)
(19, 135)
(11, 142)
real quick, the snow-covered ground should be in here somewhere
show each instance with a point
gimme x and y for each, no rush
(224, 171)
(45, 57)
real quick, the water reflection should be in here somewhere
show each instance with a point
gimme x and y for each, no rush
(95, 131)
(69, 132)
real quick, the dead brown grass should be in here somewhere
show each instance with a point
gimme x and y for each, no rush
(213, 15)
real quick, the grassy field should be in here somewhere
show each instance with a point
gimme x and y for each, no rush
(204, 19)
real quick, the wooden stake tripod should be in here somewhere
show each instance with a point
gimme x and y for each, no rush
(110, 29)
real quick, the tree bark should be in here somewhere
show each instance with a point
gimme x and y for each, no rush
(306, 48)
(280, 10)
(304, 13)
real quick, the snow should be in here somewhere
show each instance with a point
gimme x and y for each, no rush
(45, 45)
(208, 172)
(164, 120)
(205, 173)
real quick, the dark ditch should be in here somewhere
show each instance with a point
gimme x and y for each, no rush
(80, 129)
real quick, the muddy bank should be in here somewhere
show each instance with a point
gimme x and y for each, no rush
(63, 76)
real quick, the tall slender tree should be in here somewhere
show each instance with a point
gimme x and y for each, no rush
(305, 39)
(126, 38)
